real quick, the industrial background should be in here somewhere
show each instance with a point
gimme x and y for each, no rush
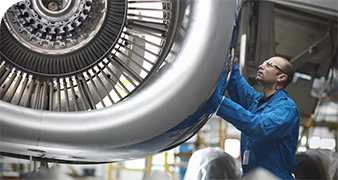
(111, 89)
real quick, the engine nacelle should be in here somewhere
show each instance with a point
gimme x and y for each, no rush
(89, 81)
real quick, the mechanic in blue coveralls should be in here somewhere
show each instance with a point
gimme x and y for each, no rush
(268, 121)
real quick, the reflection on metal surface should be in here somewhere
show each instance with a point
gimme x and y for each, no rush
(95, 81)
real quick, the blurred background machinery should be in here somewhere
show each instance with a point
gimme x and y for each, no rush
(305, 32)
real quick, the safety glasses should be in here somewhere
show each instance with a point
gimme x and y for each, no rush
(272, 64)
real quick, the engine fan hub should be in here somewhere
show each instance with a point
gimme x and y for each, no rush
(54, 26)
(60, 33)
(55, 6)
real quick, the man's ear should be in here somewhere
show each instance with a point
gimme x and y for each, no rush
(282, 78)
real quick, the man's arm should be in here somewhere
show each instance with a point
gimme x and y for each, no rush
(275, 124)
(239, 89)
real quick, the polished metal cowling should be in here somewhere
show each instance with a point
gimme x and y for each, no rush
(88, 81)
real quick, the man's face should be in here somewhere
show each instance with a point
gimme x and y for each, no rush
(269, 71)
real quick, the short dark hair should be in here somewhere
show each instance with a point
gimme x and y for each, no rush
(290, 72)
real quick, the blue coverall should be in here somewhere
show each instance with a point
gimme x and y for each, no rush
(270, 131)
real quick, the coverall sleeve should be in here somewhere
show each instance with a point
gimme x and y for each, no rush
(274, 124)
(239, 89)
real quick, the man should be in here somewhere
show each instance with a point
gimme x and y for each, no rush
(268, 121)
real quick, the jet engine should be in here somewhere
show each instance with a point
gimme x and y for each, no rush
(93, 81)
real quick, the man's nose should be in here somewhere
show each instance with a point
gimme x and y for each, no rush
(261, 66)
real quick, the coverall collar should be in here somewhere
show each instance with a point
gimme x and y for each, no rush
(279, 94)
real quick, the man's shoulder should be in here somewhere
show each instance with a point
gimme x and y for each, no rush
(283, 97)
